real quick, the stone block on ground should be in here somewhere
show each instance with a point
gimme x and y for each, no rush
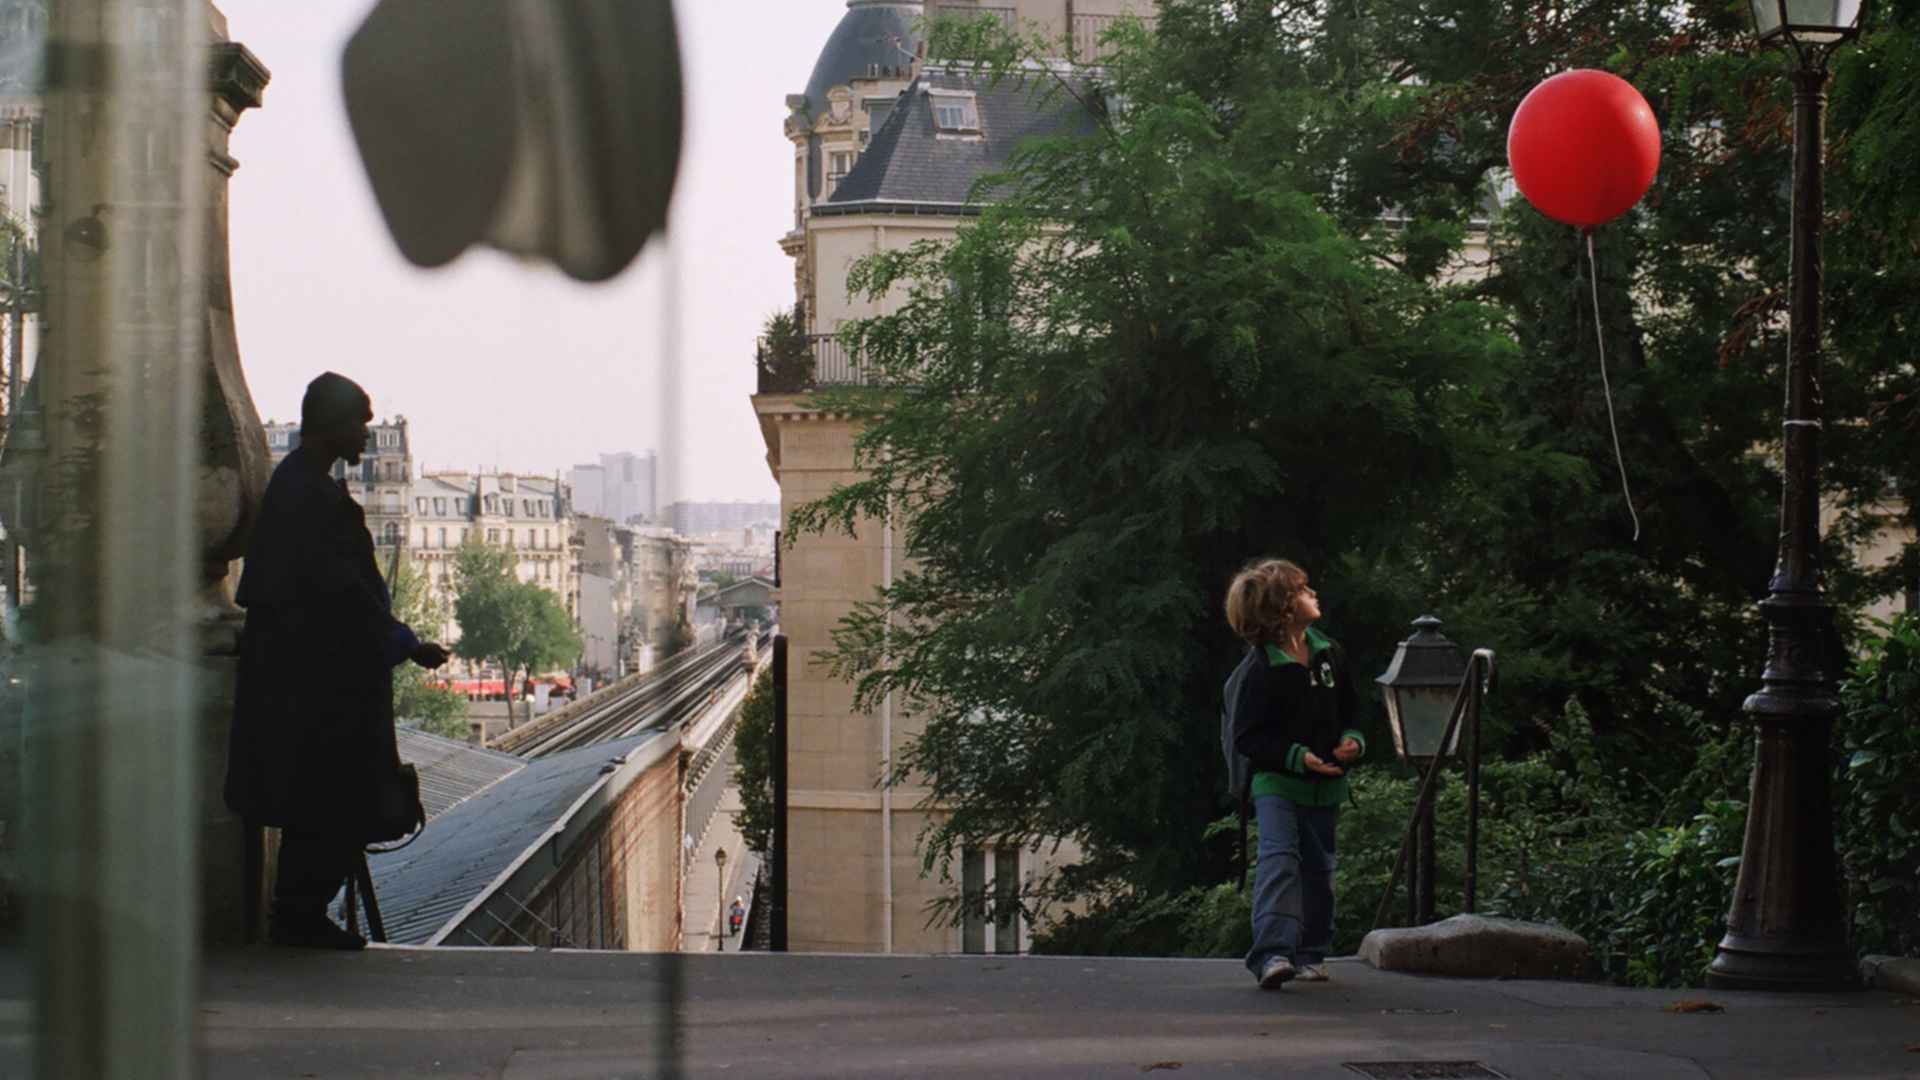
(1479, 947)
(1896, 974)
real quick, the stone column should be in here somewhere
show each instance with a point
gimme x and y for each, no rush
(234, 468)
(47, 500)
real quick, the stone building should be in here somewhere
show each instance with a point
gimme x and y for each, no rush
(886, 149)
(636, 595)
(381, 483)
(532, 516)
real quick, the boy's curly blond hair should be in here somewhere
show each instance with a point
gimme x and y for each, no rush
(1260, 601)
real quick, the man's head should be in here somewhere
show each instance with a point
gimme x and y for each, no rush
(334, 416)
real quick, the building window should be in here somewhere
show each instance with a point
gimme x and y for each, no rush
(507, 506)
(391, 534)
(443, 538)
(526, 507)
(493, 505)
(955, 113)
(420, 504)
(439, 507)
(509, 537)
(493, 536)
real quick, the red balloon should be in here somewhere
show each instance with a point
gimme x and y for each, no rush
(1584, 147)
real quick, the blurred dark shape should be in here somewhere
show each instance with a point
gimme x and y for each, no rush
(546, 128)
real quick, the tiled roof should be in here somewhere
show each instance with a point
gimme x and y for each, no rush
(909, 162)
(470, 845)
(872, 34)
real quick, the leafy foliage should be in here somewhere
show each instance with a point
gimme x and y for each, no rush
(517, 625)
(1236, 315)
(752, 765)
(416, 701)
(1879, 817)
(1157, 358)
(786, 358)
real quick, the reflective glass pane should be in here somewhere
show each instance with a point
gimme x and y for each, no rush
(1424, 712)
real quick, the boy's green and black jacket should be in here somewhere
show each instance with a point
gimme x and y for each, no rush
(1283, 710)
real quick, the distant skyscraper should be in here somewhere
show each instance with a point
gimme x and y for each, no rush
(621, 488)
(628, 491)
(588, 482)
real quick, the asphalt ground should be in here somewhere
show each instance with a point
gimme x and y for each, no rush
(522, 1015)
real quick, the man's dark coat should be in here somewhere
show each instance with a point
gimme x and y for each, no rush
(313, 713)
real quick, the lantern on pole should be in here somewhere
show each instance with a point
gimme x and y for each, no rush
(1420, 686)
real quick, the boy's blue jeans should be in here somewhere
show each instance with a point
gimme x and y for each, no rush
(1293, 882)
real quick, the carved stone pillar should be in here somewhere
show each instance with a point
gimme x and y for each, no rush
(234, 467)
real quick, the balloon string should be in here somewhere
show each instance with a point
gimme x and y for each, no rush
(1601, 339)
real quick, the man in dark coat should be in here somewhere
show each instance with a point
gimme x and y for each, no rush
(313, 713)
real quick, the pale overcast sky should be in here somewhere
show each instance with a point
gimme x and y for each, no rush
(500, 364)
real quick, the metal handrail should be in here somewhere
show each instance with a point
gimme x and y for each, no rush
(1474, 686)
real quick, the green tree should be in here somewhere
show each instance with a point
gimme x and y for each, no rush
(752, 758)
(516, 625)
(417, 702)
(1223, 318)
(1156, 357)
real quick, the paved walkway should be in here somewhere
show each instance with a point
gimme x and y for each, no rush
(702, 901)
(274, 1013)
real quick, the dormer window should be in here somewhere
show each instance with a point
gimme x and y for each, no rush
(955, 112)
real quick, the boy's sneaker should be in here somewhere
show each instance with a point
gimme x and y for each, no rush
(1276, 973)
(1313, 973)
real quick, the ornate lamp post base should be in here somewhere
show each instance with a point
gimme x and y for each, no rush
(1786, 930)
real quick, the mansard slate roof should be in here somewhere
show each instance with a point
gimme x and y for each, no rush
(873, 33)
(910, 167)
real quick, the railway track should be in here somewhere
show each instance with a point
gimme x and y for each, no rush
(662, 696)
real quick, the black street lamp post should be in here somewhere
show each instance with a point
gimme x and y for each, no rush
(1785, 929)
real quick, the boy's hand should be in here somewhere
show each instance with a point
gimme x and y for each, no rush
(1347, 752)
(1324, 768)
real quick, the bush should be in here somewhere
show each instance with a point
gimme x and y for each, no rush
(1652, 903)
(1642, 866)
(1876, 811)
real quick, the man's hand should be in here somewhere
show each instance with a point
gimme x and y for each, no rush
(1347, 752)
(1324, 768)
(430, 654)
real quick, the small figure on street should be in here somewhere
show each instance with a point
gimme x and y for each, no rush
(736, 915)
(1294, 712)
(312, 736)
